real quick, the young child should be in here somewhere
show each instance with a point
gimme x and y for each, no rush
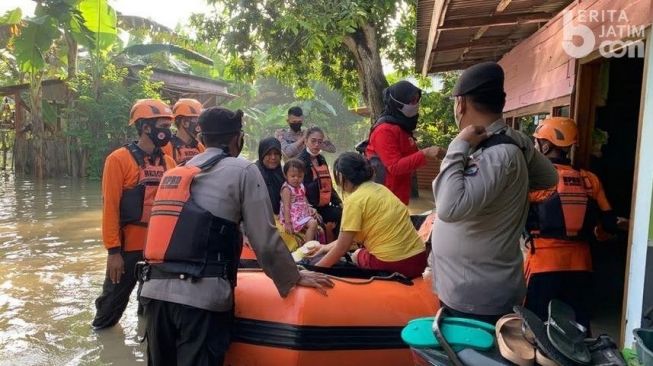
(296, 215)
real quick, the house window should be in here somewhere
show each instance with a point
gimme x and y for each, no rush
(561, 111)
(528, 123)
(509, 121)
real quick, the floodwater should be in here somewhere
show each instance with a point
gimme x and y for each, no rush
(52, 266)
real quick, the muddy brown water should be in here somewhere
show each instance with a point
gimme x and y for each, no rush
(52, 266)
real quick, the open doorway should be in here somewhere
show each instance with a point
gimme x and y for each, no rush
(608, 96)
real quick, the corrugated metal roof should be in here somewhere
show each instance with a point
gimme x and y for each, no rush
(471, 31)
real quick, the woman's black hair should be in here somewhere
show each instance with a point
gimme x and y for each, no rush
(293, 163)
(353, 167)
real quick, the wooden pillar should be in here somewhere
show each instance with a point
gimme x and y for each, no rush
(20, 114)
(585, 110)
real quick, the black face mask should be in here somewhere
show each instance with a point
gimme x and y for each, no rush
(193, 129)
(159, 136)
(296, 127)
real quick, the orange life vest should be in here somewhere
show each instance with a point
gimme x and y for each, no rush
(564, 214)
(321, 174)
(183, 152)
(184, 238)
(136, 203)
(559, 221)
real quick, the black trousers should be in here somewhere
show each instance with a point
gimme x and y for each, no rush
(182, 335)
(114, 298)
(571, 287)
(331, 214)
(490, 319)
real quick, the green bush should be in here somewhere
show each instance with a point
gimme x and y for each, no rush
(437, 126)
(98, 120)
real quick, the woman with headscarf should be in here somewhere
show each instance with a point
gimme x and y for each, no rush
(392, 150)
(269, 163)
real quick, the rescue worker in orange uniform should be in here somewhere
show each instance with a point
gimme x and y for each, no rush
(129, 183)
(561, 221)
(184, 144)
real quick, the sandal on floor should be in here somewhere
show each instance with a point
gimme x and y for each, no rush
(511, 341)
(566, 334)
(535, 326)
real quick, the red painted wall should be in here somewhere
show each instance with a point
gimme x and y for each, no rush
(538, 69)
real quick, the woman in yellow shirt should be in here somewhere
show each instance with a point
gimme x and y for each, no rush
(374, 218)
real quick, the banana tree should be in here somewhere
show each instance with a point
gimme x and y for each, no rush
(32, 42)
(9, 27)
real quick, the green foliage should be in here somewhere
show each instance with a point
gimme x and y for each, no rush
(437, 125)
(303, 40)
(402, 41)
(99, 124)
(260, 48)
(11, 17)
(51, 19)
(34, 42)
(100, 19)
(266, 106)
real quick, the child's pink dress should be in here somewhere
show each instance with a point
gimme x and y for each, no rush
(300, 212)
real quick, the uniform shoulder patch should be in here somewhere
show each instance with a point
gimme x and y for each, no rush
(471, 170)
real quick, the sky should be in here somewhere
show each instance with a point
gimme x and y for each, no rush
(167, 12)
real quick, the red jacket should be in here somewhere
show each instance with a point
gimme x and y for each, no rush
(398, 152)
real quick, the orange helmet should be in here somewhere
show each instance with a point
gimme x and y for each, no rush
(149, 108)
(187, 107)
(560, 131)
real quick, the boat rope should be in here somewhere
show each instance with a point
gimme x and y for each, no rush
(341, 279)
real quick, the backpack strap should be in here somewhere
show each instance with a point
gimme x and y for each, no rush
(136, 153)
(139, 155)
(212, 161)
(498, 139)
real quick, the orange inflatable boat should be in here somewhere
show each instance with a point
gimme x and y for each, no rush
(357, 324)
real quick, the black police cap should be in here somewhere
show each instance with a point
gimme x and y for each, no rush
(220, 121)
(480, 79)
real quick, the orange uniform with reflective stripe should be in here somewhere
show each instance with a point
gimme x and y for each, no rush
(321, 174)
(121, 172)
(184, 153)
(554, 254)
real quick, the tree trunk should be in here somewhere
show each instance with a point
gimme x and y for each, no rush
(4, 150)
(71, 56)
(364, 47)
(71, 73)
(38, 127)
(83, 162)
